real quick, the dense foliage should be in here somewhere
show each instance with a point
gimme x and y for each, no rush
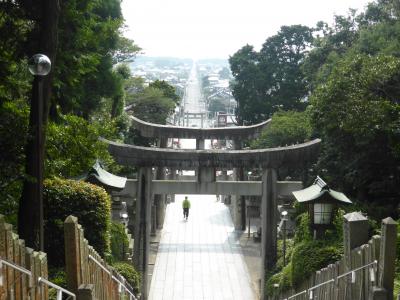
(153, 104)
(310, 256)
(89, 40)
(89, 203)
(119, 242)
(13, 133)
(83, 40)
(286, 128)
(130, 274)
(73, 145)
(362, 145)
(306, 255)
(271, 80)
(348, 74)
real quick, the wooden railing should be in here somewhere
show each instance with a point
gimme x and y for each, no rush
(22, 283)
(335, 281)
(87, 272)
(365, 272)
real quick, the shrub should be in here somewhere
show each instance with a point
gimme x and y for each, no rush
(311, 256)
(130, 274)
(335, 234)
(89, 203)
(119, 242)
(303, 232)
(283, 279)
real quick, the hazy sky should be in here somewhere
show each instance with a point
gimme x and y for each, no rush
(218, 28)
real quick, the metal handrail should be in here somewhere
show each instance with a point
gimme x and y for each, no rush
(132, 296)
(59, 289)
(310, 290)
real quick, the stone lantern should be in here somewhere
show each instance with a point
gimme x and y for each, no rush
(322, 204)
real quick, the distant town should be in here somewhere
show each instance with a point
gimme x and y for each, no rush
(214, 75)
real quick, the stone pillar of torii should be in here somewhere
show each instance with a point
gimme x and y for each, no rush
(205, 162)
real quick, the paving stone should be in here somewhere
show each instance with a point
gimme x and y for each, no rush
(199, 258)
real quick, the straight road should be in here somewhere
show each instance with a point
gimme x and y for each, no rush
(193, 100)
(200, 258)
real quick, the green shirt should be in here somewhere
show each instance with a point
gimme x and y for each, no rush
(186, 203)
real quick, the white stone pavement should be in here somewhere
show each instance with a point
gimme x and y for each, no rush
(199, 258)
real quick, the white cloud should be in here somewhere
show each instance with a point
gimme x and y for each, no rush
(218, 28)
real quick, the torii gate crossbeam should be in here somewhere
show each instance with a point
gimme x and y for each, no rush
(206, 161)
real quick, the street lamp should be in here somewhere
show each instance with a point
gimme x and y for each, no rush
(284, 220)
(39, 66)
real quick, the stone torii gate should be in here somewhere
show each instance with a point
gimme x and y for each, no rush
(205, 161)
(237, 134)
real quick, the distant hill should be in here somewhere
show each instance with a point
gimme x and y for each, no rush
(162, 61)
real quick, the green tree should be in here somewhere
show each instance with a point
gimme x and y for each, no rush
(281, 56)
(13, 133)
(153, 106)
(356, 113)
(167, 89)
(133, 86)
(272, 79)
(286, 128)
(329, 45)
(246, 86)
(90, 42)
(73, 146)
(15, 29)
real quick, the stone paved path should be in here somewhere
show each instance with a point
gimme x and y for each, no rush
(199, 258)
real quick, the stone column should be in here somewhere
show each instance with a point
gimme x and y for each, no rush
(159, 200)
(238, 202)
(142, 226)
(85, 292)
(153, 223)
(387, 257)
(173, 176)
(199, 146)
(269, 220)
(355, 234)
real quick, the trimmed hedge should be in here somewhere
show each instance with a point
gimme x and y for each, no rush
(119, 242)
(89, 203)
(310, 256)
(130, 274)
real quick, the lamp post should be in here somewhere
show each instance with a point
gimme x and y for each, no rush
(39, 66)
(284, 220)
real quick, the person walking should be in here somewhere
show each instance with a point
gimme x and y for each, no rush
(186, 206)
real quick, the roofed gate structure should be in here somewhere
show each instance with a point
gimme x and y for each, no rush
(205, 163)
